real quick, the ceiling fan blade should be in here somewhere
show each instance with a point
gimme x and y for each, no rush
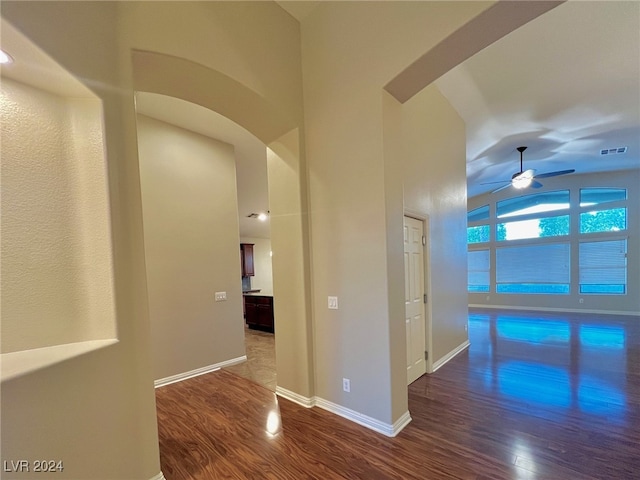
(535, 184)
(554, 174)
(493, 183)
(501, 188)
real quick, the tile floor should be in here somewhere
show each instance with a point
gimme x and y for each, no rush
(260, 366)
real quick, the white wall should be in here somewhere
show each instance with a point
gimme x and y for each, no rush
(263, 278)
(629, 303)
(189, 202)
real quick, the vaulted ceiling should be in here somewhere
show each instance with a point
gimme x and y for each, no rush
(566, 85)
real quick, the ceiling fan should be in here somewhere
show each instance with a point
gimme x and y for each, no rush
(527, 178)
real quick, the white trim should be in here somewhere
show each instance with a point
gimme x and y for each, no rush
(364, 420)
(295, 397)
(159, 476)
(198, 371)
(553, 309)
(460, 348)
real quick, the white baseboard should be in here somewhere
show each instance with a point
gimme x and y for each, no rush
(295, 397)
(364, 420)
(159, 476)
(359, 418)
(553, 309)
(450, 355)
(198, 371)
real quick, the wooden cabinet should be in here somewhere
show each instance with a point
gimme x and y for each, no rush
(258, 311)
(246, 259)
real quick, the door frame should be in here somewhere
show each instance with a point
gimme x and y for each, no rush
(424, 218)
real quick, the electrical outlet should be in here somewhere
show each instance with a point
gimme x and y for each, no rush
(333, 303)
(221, 296)
(346, 384)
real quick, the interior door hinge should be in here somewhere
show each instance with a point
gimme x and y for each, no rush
(424, 298)
(424, 240)
(426, 355)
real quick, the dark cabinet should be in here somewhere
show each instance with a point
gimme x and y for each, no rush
(258, 311)
(246, 259)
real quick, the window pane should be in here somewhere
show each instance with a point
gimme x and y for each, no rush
(612, 220)
(533, 269)
(478, 234)
(481, 213)
(534, 228)
(536, 203)
(478, 273)
(603, 267)
(596, 196)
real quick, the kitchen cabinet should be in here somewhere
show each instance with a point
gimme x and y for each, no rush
(258, 311)
(246, 259)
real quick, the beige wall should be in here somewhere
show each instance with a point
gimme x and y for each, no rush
(100, 407)
(57, 282)
(435, 188)
(189, 202)
(290, 263)
(263, 278)
(90, 410)
(350, 50)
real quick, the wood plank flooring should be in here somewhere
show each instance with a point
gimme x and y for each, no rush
(536, 396)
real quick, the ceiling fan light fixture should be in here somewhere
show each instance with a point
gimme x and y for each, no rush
(521, 181)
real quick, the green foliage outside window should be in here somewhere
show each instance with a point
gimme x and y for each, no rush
(554, 226)
(603, 221)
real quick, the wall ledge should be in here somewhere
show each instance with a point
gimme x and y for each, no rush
(24, 362)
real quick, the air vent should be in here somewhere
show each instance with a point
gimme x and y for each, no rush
(613, 151)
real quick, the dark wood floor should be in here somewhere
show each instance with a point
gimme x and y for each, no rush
(536, 396)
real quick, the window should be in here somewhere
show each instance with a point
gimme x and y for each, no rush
(533, 269)
(537, 203)
(478, 234)
(596, 196)
(481, 213)
(533, 228)
(527, 245)
(603, 267)
(612, 220)
(478, 273)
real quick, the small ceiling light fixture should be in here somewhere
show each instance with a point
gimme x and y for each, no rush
(5, 58)
(522, 180)
(260, 216)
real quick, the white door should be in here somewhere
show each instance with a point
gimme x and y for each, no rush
(414, 298)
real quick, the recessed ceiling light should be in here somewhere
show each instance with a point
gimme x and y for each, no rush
(5, 57)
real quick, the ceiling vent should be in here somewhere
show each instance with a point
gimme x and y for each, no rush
(613, 151)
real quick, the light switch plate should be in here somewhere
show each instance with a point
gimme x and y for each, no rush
(333, 303)
(221, 296)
